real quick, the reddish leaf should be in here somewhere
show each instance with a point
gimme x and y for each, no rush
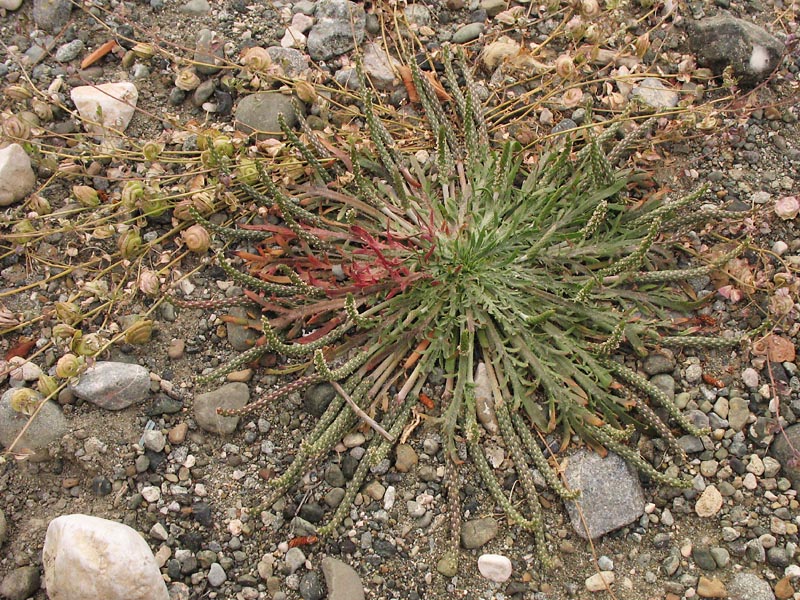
(22, 348)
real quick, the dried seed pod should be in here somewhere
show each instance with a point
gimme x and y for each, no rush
(23, 232)
(86, 195)
(149, 282)
(247, 171)
(40, 205)
(129, 243)
(152, 150)
(87, 345)
(140, 332)
(132, 193)
(68, 312)
(18, 92)
(16, 128)
(47, 385)
(590, 8)
(256, 59)
(196, 239)
(62, 331)
(69, 366)
(25, 401)
(565, 66)
(187, 80)
(305, 91)
(143, 50)
(42, 109)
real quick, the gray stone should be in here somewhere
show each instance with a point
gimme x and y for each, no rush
(493, 7)
(666, 383)
(70, 51)
(786, 449)
(293, 62)
(240, 336)
(258, 113)
(724, 41)
(294, 559)
(16, 175)
(339, 28)
(467, 33)
(311, 587)
(10, 5)
(20, 583)
(3, 527)
(154, 440)
(113, 385)
(208, 57)
(405, 458)
(51, 15)
(417, 14)
(334, 476)
(746, 586)
(691, 444)
(48, 426)
(703, 558)
(342, 580)
(216, 575)
(379, 66)
(196, 7)
(317, 398)
(611, 495)
(203, 92)
(655, 94)
(478, 532)
(657, 363)
(230, 396)
(334, 497)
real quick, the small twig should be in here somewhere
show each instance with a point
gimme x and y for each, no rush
(361, 414)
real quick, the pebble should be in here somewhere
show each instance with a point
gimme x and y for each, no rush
(478, 532)
(311, 587)
(230, 396)
(656, 94)
(341, 579)
(468, 33)
(177, 434)
(20, 583)
(599, 581)
(405, 458)
(10, 4)
(747, 586)
(711, 588)
(339, 27)
(176, 349)
(196, 7)
(495, 567)
(258, 113)
(51, 15)
(17, 178)
(709, 503)
(69, 51)
(113, 385)
(106, 108)
(154, 440)
(3, 527)
(49, 426)
(216, 575)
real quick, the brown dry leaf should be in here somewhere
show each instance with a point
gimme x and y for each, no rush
(775, 347)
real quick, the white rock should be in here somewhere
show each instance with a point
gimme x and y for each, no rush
(151, 493)
(106, 109)
(495, 567)
(750, 377)
(10, 4)
(599, 581)
(16, 175)
(654, 93)
(302, 23)
(293, 38)
(88, 558)
(709, 502)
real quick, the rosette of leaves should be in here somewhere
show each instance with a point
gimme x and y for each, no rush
(382, 271)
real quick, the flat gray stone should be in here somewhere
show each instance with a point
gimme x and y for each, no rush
(786, 449)
(208, 53)
(258, 113)
(339, 28)
(342, 580)
(611, 495)
(746, 586)
(241, 337)
(655, 94)
(20, 583)
(467, 33)
(196, 7)
(478, 532)
(51, 15)
(724, 40)
(379, 66)
(230, 396)
(293, 62)
(113, 385)
(48, 426)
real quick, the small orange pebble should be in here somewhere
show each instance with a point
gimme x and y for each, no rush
(98, 53)
(426, 400)
(303, 540)
(713, 381)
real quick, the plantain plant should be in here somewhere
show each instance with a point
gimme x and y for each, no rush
(532, 279)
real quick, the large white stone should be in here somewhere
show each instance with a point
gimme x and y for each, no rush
(10, 4)
(16, 175)
(88, 558)
(495, 567)
(106, 109)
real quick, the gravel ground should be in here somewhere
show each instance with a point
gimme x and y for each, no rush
(190, 497)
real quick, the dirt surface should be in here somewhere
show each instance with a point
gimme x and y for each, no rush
(755, 149)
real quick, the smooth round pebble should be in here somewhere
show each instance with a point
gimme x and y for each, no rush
(495, 567)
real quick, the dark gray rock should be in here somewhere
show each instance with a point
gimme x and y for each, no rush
(786, 449)
(746, 586)
(339, 28)
(478, 532)
(48, 426)
(317, 398)
(208, 53)
(51, 15)
(69, 51)
(258, 113)
(113, 385)
(20, 583)
(293, 62)
(725, 40)
(311, 587)
(611, 495)
(657, 363)
(342, 580)
(231, 395)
